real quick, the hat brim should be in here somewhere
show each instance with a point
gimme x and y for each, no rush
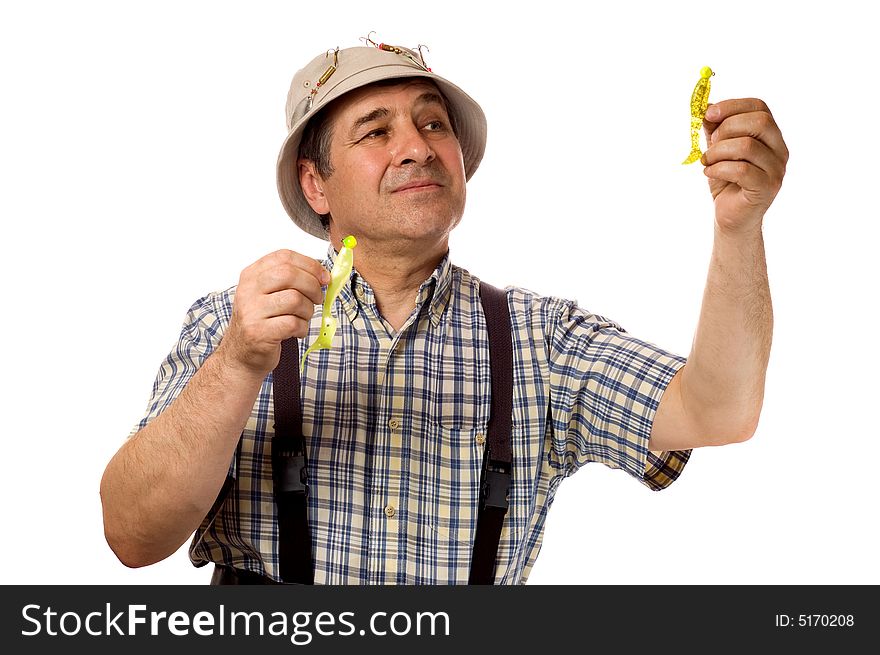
(467, 115)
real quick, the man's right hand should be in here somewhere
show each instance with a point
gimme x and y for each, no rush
(162, 482)
(275, 300)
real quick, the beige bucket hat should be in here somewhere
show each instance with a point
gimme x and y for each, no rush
(336, 72)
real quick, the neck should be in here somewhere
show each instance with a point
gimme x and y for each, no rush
(395, 271)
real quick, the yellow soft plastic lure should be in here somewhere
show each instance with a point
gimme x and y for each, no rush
(341, 272)
(699, 103)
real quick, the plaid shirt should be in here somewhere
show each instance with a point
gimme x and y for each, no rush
(395, 426)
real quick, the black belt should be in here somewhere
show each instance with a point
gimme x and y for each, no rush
(229, 575)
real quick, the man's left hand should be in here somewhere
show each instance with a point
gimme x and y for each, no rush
(745, 162)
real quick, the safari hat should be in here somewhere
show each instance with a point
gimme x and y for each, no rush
(334, 73)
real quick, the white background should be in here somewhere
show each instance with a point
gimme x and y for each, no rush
(137, 166)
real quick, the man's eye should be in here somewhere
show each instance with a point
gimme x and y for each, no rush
(435, 126)
(374, 133)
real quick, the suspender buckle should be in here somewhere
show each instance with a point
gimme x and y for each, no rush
(496, 485)
(290, 473)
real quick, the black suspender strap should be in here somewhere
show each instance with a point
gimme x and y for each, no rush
(289, 454)
(289, 471)
(497, 459)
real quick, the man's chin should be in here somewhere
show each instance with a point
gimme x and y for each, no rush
(429, 225)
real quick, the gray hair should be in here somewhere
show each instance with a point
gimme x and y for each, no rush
(315, 146)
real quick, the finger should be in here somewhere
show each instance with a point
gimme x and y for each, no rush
(743, 148)
(312, 266)
(288, 276)
(716, 112)
(758, 125)
(287, 302)
(280, 328)
(741, 173)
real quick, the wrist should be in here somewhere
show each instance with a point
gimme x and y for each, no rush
(234, 369)
(753, 232)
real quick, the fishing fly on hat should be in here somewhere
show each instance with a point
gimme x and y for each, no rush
(334, 73)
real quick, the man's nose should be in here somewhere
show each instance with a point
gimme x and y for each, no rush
(412, 147)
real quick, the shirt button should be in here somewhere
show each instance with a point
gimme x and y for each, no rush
(393, 424)
(389, 511)
(481, 439)
(359, 292)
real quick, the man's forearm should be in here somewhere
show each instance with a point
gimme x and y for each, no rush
(723, 382)
(160, 485)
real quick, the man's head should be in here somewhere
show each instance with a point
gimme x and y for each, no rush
(392, 168)
(352, 89)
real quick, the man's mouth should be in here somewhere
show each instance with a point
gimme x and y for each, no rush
(417, 185)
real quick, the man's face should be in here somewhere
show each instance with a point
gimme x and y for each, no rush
(398, 173)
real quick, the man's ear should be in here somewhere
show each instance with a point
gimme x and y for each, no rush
(312, 186)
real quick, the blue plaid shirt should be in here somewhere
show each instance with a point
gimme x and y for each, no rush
(395, 426)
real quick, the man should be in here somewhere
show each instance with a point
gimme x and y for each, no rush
(395, 415)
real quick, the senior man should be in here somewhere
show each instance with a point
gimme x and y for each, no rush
(425, 446)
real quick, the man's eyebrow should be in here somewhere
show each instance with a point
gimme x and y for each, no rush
(427, 98)
(376, 114)
(431, 98)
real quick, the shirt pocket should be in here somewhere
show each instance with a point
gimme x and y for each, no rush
(444, 500)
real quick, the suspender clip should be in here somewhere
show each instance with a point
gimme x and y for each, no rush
(290, 473)
(496, 485)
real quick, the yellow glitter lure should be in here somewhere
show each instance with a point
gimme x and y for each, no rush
(699, 103)
(340, 275)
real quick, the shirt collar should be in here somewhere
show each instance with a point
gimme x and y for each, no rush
(435, 291)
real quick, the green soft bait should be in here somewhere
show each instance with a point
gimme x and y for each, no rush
(699, 103)
(341, 272)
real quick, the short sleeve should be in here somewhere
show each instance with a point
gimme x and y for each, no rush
(199, 336)
(605, 388)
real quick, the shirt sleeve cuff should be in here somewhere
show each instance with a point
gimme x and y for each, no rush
(662, 469)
